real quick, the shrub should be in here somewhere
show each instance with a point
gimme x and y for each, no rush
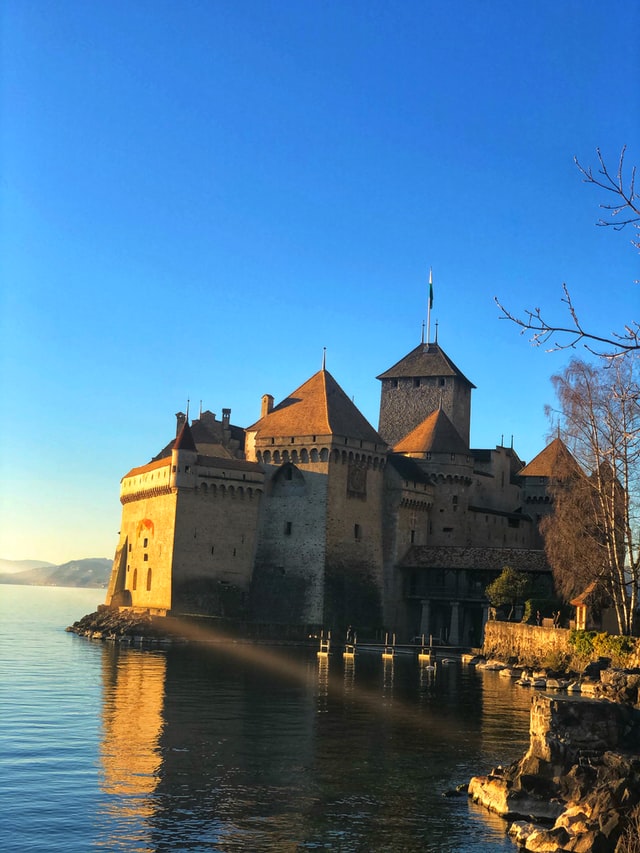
(556, 661)
(589, 644)
(581, 642)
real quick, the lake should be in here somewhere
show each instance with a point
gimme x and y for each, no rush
(237, 747)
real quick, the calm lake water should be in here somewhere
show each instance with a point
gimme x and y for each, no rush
(237, 748)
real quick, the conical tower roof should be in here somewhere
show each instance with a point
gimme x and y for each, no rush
(184, 439)
(318, 407)
(423, 361)
(555, 461)
(436, 434)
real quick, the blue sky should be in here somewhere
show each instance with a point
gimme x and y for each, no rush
(197, 197)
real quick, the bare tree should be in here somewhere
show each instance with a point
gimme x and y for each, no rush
(594, 532)
(623, 211)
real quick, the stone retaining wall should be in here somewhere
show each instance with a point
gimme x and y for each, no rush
(533, 645)
(529, 643)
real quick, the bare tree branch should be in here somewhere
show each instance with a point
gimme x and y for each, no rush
(628, 199)
(544, 332)
(560, 337)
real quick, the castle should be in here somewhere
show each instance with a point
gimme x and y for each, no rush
(311, 518)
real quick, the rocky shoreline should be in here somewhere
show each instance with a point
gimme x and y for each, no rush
(121, 626)
(577, 788)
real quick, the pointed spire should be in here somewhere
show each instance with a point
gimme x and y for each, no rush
(185, 441)
(324, 358)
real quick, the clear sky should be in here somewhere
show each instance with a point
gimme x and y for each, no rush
(198, 196)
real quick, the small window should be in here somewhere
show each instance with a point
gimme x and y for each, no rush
(413, 536)
(129, 547)
(234, 552)
(213, 548)
(453, 457)
(395, 383)
(145, 543)
(442, 383)
(135, 578)
(145, 557)
(357, 532)
(416, 382)
(288, 527)
(292, 440)
(148, 579)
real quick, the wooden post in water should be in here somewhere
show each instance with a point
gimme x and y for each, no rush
(350, 648)
(325, 645)
(389, 650)
(426, 656)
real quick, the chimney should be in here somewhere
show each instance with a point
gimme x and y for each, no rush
(226, 414)
(267, 405)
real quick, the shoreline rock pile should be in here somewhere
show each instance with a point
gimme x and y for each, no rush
(120, 626)
(577, 788)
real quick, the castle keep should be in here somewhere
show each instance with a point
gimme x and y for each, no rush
(311, 518)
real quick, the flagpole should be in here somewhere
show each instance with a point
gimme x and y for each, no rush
(429, 304)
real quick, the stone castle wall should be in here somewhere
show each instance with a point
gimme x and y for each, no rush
(289, 567)
(147, 536)
(215, 534)
(529, 643)
(405, 404)
(353, 581)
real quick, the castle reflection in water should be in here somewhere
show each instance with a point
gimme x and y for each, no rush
(251, 748)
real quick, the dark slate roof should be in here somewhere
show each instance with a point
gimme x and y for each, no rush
(408, 468)
(425, 360)
(317, 407)
(184, 439)
(436, 434)
(427, 557)
(208, 438)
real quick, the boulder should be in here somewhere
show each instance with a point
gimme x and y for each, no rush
(581, 773)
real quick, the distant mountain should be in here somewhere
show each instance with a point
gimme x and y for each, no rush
(7, 566)
(93, 572)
